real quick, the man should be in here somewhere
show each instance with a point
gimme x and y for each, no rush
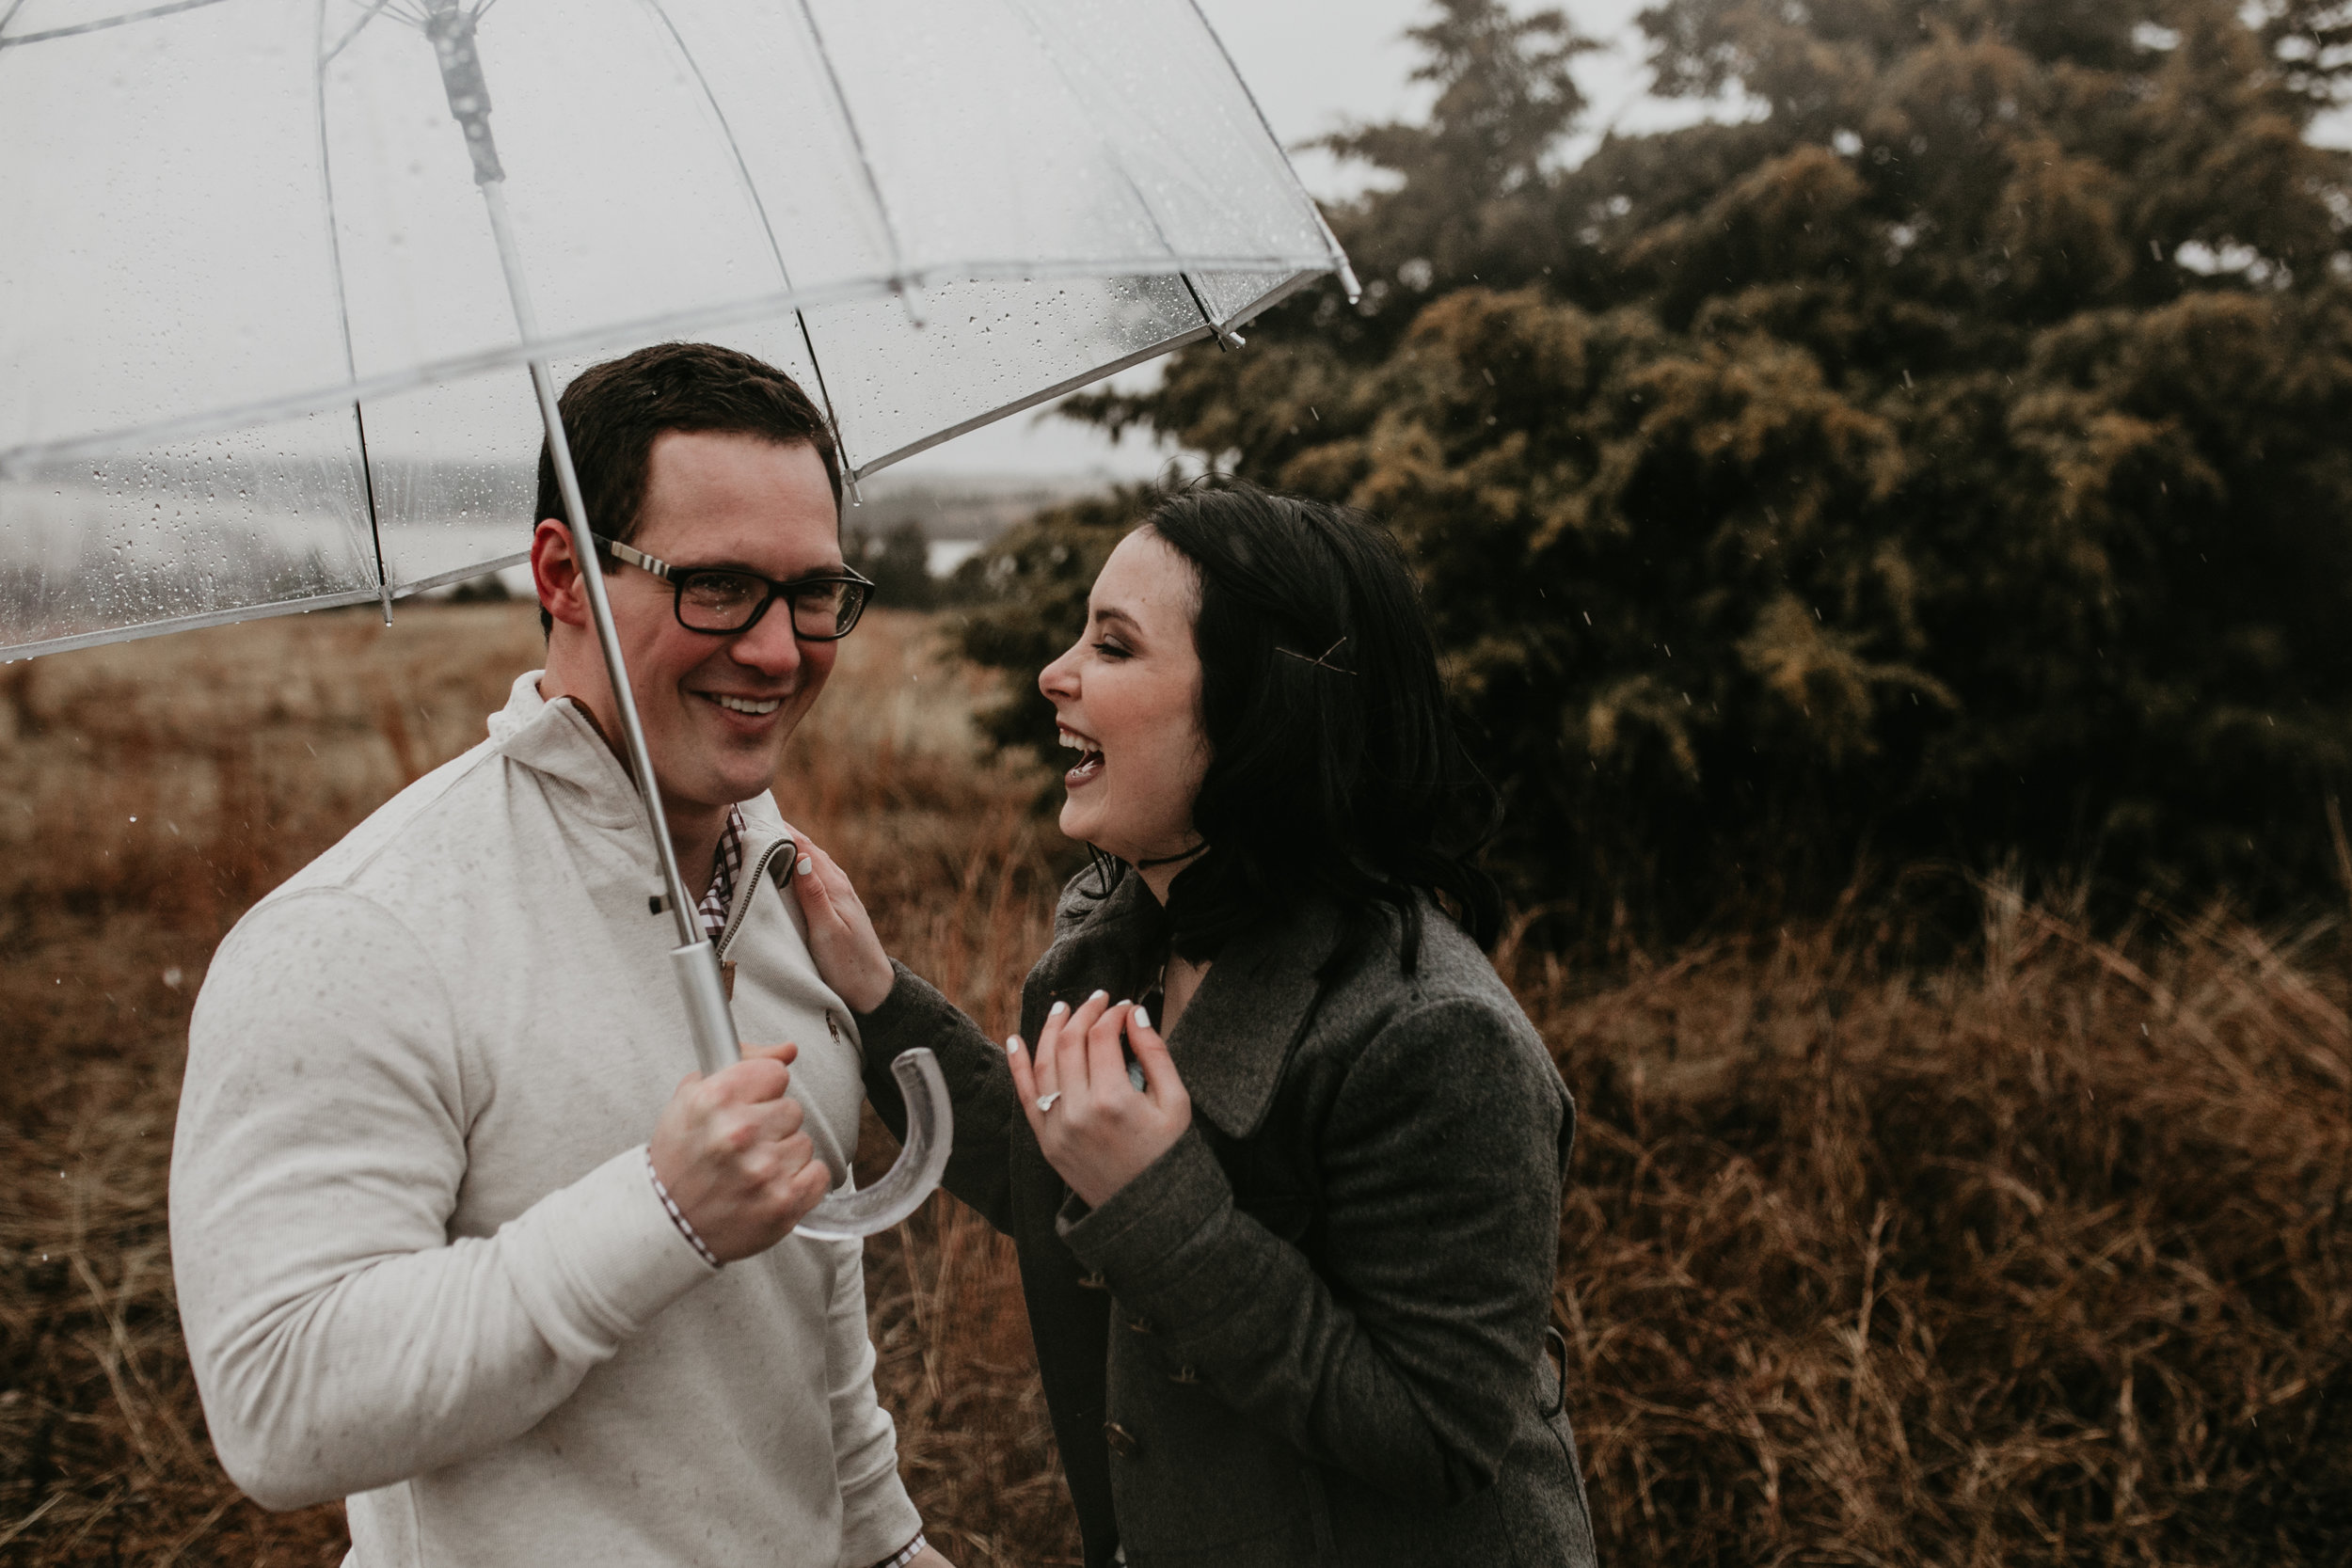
(437, 1251)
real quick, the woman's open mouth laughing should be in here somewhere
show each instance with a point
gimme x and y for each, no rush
(1089, 764)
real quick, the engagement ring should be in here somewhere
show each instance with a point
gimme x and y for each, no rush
(1045, 1102)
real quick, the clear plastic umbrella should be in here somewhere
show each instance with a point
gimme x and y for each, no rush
(272, 271)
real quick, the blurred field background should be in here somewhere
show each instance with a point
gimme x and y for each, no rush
(2025, 1246)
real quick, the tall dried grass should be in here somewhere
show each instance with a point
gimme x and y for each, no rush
(152, 791)
(2037, 1256)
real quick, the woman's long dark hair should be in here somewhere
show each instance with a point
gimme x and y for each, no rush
(1334, 766)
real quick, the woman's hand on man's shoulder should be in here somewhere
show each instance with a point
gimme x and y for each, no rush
(841, 938)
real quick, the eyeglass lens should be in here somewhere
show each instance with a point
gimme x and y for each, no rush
(727, 601)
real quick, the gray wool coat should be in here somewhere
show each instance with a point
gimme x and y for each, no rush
(1315, 1330)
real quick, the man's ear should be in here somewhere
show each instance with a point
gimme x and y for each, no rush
(555, 573)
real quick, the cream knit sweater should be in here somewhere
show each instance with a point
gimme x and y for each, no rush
(419, 1261)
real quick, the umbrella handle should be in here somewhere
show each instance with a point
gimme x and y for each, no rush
(931, 1120)
(931, 1132)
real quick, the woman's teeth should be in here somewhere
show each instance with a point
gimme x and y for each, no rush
(744, 705)
(1090, 756)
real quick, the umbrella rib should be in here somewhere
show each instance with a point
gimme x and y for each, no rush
(1306, 274)
(343, 301)
(18, 460)
(463, 574)
(766, 226)
(865, 159)
(185, 622)
(1223, 338)
(1222, 335)
(375, 525)
(367, 13)
(1347, 273)
(104, 22)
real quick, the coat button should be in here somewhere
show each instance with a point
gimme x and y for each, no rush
(1183, 1375)
(1120, 1440)
(1093, 1281)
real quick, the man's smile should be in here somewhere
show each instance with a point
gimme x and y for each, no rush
(756, 706)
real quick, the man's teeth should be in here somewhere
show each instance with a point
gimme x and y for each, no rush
(744, 705)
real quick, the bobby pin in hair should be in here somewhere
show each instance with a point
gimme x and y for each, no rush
(1322, 661)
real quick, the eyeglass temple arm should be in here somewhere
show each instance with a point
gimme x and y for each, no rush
(638, 559)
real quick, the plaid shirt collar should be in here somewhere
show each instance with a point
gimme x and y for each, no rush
(726, 865)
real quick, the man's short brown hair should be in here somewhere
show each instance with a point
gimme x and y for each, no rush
(612, 412)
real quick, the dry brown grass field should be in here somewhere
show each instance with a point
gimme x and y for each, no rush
(2036, 1255)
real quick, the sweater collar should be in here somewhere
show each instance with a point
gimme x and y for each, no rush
(558, 739)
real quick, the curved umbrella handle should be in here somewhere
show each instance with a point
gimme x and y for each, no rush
(931, 1132)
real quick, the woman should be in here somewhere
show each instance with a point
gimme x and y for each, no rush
(1284, 1165)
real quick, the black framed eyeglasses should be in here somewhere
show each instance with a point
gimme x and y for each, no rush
(720, 601)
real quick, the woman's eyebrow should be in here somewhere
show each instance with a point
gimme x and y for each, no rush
(1112, 612)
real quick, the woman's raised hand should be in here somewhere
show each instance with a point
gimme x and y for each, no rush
(841, 940)
(1095, 1126)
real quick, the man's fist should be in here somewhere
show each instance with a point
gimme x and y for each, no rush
(731, 1152)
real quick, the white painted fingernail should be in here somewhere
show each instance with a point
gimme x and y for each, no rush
(1097, 996)
(1012, 1043)
(805, 866)
(1057, 1010)
(1143, 1019)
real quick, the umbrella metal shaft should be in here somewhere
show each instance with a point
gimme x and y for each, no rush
(694, 961)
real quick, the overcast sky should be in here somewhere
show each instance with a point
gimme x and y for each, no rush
(1316, 65)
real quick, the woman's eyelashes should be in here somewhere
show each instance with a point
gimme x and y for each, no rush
(1110, 648)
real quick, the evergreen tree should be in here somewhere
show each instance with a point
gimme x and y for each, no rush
(898, 563)
(1945, 460)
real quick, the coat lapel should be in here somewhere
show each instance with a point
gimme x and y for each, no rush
(1236, 1035)
(1099, 952)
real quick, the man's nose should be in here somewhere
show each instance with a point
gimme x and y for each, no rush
(770, 647)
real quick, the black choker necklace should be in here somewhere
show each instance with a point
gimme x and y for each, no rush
(1172, 859)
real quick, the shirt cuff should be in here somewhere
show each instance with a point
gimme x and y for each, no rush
(677, 1216)
(876, 1526)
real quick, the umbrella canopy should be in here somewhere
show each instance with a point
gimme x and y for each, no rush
(261, 352)
(274, 273)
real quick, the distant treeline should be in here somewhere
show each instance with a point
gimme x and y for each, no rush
(1951, 459)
